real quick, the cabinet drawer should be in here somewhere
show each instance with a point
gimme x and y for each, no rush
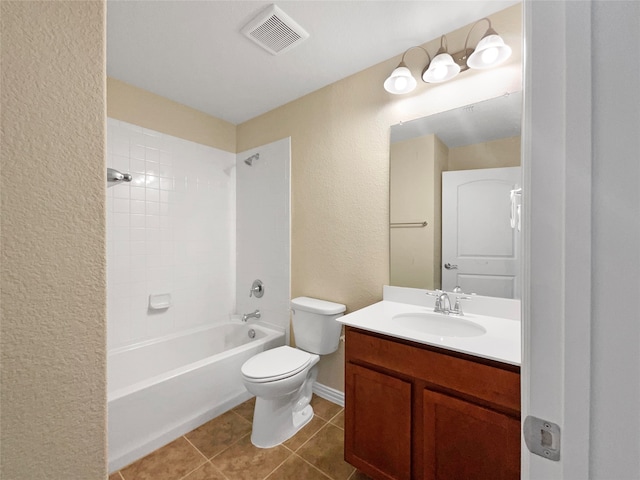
(492, 384)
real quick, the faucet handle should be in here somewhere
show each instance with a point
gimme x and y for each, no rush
(436, 293)
(457, 308)
(257, 289)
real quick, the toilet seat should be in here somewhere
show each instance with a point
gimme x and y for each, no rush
(275, 364)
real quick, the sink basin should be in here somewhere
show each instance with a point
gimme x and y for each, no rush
(439, 324)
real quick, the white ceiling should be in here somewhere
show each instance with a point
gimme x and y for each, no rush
(192, 52)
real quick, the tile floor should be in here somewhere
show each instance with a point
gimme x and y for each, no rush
(221, 450)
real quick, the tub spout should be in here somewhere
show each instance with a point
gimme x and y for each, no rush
(247, 316)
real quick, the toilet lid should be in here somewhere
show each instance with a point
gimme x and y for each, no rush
(275, 364)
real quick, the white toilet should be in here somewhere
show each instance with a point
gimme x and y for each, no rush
(282, 378)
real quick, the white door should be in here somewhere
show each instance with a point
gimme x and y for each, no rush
(480, 251)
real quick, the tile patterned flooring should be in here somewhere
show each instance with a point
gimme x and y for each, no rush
(221, 450)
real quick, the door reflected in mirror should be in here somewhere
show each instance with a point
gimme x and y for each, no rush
(454, 203)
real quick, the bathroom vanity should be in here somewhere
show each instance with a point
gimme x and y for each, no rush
(425, 406)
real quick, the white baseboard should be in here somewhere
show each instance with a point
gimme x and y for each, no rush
(328, 393)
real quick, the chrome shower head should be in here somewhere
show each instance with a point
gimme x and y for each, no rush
(249, 161)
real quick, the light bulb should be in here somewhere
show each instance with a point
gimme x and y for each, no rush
(491, 51)
(489, 55)
(441, 69)
(439, 72)
(400, 83)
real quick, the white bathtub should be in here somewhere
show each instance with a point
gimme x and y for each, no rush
(161, 389)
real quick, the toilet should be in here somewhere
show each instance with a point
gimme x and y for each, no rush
(282, 378)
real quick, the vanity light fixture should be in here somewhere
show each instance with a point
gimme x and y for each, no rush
(442, 67)
(401, 81)
(490, 52)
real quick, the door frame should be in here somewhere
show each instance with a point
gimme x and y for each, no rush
(556, 307)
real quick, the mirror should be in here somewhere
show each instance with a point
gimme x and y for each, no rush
(454, 203)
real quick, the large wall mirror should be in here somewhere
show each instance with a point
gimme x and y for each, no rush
(454, 199)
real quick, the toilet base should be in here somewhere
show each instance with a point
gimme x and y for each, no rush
(273, 425)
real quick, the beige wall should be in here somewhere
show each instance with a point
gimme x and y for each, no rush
(504, 152)
(53, 354)
(140, 107)
(340, 187)
(414, 182)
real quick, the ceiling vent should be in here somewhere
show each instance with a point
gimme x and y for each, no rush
(275, 31)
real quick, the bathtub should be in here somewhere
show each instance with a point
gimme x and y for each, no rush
(161, 389)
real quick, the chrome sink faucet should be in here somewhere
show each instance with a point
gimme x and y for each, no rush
(443, 302)
(247, 316)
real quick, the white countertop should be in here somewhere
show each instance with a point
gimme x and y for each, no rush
(501, 342)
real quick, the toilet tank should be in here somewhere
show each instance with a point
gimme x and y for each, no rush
(314, 324)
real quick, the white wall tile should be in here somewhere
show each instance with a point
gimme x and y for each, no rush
(168, 233)
(262, 232)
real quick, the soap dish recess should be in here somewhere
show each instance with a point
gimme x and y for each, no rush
(160, 301)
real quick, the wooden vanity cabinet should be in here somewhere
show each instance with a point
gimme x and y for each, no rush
(415, 412)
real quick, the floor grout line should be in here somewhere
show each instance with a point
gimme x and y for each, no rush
(190, 472)
(288, 448)
(219, 471)
(243, 418)
(281, 463)
(229, 446)
(318, 469)
(197, 449)
(334, 417)
(212, 465)
(309, 439)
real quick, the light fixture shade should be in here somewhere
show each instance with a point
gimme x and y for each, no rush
(400, 81)
(491, 51)
(441, 69)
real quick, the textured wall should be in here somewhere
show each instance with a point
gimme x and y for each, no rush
(504, 152)
(412, 179)
(140, 107)
(53, 241)
(340, 163)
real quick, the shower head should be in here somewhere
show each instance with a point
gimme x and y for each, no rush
(249, 161)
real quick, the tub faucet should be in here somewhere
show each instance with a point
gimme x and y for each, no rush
(247, 316)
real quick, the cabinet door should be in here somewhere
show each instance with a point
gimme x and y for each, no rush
(466, 441)
(378, 423)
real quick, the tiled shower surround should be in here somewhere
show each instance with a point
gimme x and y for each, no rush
(263, 231)
(187, 222)
(171, 230)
